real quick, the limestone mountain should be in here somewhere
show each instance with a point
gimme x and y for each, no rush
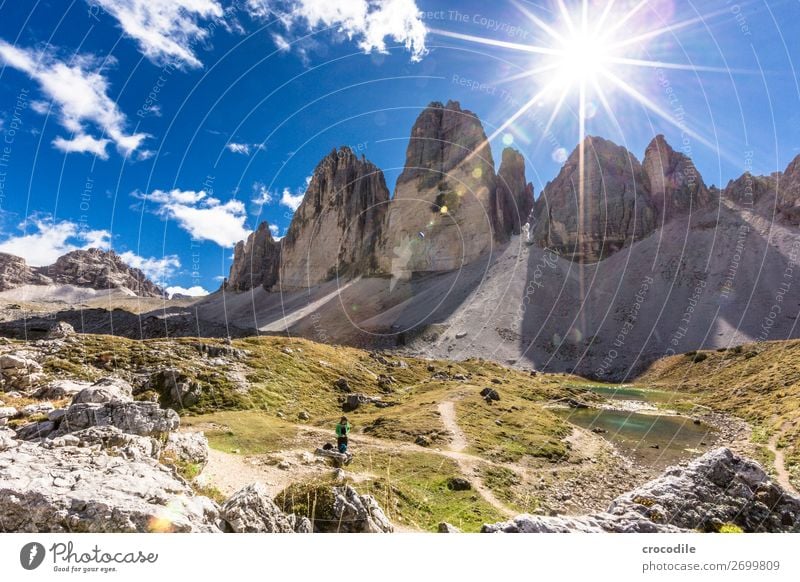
(15, 272)
(255, 261)
(675, 186)
(776, 195)
(514, 195)
(611, 209)
(92, 269)
(339, 224)
(443, 214)
(789, 198)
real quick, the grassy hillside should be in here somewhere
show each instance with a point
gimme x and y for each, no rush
(267, 398)
(759, 382)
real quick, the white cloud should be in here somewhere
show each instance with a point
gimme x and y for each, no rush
(259, 8)
(82, 143)
(166, 30)
(195, 291)
(238, 148)
(202, 216)
(244, 148)
(283, 45)
(79, 93)
(368, 22)
(50, 240)
(274, 229)
(294, 199)
(261, 196)
(157, 270)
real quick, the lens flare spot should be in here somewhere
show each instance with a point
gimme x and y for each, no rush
(477, 173)
(508, 139)
(560, 155)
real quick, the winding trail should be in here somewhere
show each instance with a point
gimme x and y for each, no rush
(468, 464)
(781, 473)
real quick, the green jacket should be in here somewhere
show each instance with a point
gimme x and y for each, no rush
(342, 430)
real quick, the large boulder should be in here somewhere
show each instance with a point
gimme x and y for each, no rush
(113, 440)
(354, 513)
(176, 389)
(190, 447)
(716, 489)
(73, 489)
(104, 391)
(251, 510)
(18, 371)
(139, 418)
(59, 331)
(58, 389)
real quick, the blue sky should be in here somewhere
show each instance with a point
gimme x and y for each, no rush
(168, 129)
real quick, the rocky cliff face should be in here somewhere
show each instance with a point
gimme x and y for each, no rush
(674, 185)
(15, 272)
(778, 193)
(93, 268)
(612, 210)
(255, 261)
(514, 196)
(339, 224)
(789, 198)
(443, 214)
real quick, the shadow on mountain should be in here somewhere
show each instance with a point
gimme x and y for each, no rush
(710, 285)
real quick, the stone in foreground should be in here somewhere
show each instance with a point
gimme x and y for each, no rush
(71, 489)
(716, 489)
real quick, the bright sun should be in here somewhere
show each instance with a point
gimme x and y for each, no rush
(582, 58)
(588, 50)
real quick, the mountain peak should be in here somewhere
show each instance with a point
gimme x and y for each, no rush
(91, 268)
(675, 186)
(255, 261)
(613, 211)
(338, 225)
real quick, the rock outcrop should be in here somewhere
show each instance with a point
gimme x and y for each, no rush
(514, 196)
(92, 268)
(356, 513)
(15, 272)
(18, 371)
(789, 198)
(443, 213)
(337, 228)
(610, 211)
(719, 488)
(188, 448)
(74, 489)
(256, 261)
(251, 510)
(675, 186)
(138, 418)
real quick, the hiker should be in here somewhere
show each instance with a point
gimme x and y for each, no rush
(342, 430)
